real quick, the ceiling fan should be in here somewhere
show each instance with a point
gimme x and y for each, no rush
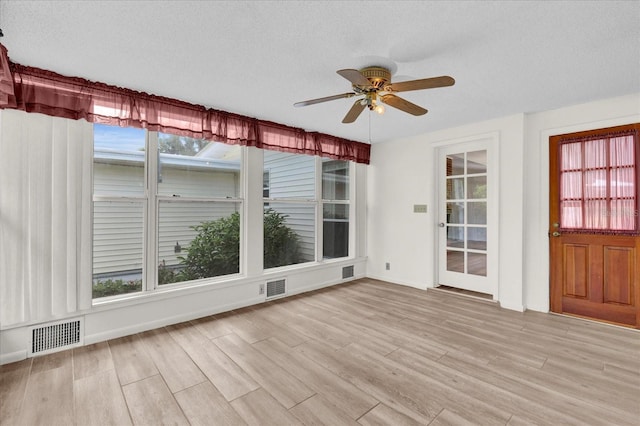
(374, 83)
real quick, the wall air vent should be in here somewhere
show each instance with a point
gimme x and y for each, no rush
(54, 337)
(276, 288)
(347, 272)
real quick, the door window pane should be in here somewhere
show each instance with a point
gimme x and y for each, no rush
(571, 157)
(622, 214)
(455, 261)
(455, 164)
(595, 184)
(477, 264)
(455, 188)
(455, 236)
(477, 187)
(476, 162)
(477, 212)
(571, 184)
(455, 212)
(476, 238)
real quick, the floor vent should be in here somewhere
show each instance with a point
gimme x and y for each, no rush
(55, 337)
(275, 288)
(347, 272)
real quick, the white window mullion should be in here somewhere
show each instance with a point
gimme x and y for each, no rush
(319, 212)
(151, 213)
(352, 209)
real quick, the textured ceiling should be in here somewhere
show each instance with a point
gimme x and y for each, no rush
(258, 58)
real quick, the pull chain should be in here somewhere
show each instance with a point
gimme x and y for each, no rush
(369, 127)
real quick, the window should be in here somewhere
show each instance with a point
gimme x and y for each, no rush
(265, 184)
(167, 210)
(294, 203)
(119, 203)
(598, 184)
(181, 225)
(290, 210)
(335, 208)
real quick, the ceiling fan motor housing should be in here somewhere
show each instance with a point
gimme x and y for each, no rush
(378, 76)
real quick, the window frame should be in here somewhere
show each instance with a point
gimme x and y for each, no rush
(319, 202)
(582, 138)
(250, 202)
(328, 201)
(151, 200)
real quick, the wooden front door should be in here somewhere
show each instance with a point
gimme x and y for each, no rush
(594, 226)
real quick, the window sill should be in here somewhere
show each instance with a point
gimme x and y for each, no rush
(204, 285)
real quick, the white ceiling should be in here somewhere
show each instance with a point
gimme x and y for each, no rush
(257, 58)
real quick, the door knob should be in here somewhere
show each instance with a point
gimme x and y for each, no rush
(556, 234)
(441, 225)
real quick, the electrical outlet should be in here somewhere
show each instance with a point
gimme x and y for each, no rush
(261, 290)
(387, 266)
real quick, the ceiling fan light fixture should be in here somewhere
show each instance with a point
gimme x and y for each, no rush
(379, 108)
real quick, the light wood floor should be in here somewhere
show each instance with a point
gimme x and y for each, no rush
(367, 353)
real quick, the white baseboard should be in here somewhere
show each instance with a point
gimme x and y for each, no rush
(163, 322)
(538, 308)
(13, 357)
(512, 307)
(325, 284)
(418, 285)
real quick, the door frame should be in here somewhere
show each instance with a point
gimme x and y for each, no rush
(490, 142)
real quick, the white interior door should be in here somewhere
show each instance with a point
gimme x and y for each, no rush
(467, 228)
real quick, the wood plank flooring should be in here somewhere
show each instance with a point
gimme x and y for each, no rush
(362, 353)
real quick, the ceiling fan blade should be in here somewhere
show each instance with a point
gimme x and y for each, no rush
(355, 77)
(354, 112)
(325, 99)
(425, 83)
(402, 104)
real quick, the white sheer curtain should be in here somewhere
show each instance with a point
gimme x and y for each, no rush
(45, 217)
(598, 184)
(571, 185)
(622, 183)
(595, 184)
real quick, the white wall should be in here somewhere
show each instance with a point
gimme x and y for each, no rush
(403, 173)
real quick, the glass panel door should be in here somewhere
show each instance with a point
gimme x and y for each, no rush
(466, 218)
(465, 234)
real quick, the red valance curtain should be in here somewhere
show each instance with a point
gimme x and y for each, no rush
(35, 90)
(6, 80)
